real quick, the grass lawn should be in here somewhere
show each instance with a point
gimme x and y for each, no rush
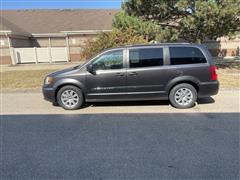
(11, 80)
(23, 79)
(229, 78)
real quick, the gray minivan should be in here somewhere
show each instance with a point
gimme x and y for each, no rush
(179, 72)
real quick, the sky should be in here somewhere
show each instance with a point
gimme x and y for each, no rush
(60, 4)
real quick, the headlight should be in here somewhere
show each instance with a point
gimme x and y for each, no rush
(48, 80)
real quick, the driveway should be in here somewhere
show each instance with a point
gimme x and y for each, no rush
(33, 103)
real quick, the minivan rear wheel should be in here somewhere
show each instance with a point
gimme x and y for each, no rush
(70, 97)
(183, 96)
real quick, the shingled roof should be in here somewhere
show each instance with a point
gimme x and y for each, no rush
(55, 21)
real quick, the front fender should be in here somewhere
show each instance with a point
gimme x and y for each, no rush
(69, 81)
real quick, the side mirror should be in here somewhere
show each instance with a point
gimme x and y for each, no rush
(91, 69)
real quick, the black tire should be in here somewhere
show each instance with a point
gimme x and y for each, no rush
(78, 92)
(183, 86)
(55, 104)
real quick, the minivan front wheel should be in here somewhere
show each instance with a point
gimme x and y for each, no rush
(70, 97)
(183, 96)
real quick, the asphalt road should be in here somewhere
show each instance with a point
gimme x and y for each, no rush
(120, 146)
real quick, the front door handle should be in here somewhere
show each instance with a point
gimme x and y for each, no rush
(133, 73)
(119, 74)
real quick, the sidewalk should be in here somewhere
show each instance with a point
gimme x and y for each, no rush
(33, 103)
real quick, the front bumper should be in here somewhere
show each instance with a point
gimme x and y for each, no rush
(207, 89)
(49, 94)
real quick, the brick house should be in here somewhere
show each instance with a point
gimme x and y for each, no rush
(55, 28)
(69, 29)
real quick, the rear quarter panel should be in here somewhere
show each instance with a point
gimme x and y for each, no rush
(196, 73)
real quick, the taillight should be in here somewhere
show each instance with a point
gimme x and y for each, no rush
(213, 73)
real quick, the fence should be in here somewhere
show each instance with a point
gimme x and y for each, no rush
(40, 55)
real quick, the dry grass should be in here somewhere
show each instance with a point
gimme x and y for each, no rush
(229, 78)
(23, 79)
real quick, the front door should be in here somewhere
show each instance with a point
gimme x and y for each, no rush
(109, 79)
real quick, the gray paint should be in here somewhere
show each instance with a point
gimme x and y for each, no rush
(136, 83)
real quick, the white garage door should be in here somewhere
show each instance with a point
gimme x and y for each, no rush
(41, 55)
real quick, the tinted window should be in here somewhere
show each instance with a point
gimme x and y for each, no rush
(186, 55)
(145, 57)
(109, 60)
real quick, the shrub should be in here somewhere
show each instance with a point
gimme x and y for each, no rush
(111, 39)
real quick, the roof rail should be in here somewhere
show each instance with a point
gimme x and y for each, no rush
(174, 43)
(156, 44)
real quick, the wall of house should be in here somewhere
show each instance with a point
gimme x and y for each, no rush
(18, 42)
(40, 42)
(76, 43)
(5, 57)
(58, 42)
(224, 47)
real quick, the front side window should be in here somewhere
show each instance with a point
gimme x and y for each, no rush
(110, 60)
(145, 57)
(186, 55)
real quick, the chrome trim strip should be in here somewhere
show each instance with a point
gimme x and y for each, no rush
(126, 93)
(126, 87)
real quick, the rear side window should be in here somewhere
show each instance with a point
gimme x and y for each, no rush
(186, 55)
(145, 57)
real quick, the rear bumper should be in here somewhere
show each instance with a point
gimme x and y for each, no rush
(207, 89)
(49, 94)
